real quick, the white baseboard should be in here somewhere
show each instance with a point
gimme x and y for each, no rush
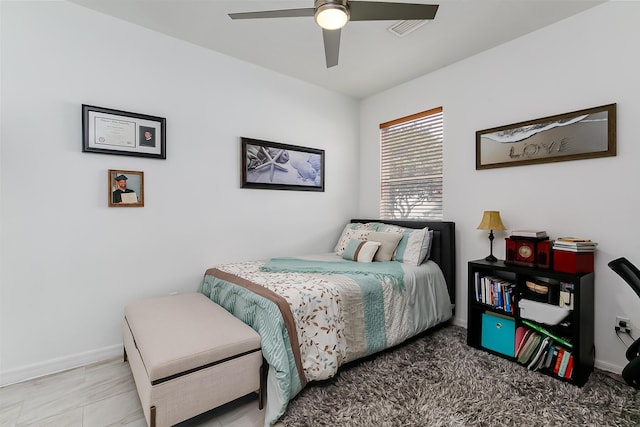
(52, 366)
(94, 356)
(608, 367)
(459, 322)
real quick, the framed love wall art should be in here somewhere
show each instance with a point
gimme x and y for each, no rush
(583, 134)
(270, 165)
(126, 188)
(110, 131)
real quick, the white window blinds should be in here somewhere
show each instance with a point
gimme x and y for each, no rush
(411, 166)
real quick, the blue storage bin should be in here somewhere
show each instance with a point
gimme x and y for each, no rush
(498, 334)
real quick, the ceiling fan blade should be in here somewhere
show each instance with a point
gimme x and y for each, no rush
(377, 11)
(331, 46)
(286, 13)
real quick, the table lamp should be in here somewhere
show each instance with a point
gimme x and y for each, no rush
(491, 221)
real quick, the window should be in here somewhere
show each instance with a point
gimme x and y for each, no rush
(411, 167)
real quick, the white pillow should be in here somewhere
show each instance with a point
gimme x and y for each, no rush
(360, 250)
(414, 246)
(427, 248)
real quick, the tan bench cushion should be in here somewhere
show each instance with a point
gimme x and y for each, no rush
(179, 333)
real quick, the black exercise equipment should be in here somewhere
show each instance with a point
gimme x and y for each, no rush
(631, 275)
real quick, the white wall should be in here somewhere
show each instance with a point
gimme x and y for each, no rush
(69, 263)
(585, 61)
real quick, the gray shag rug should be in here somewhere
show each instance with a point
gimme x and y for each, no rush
(437, 380)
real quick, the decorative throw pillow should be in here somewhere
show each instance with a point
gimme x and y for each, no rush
(360, 250)
(346, 234)
(414, 246)
(389, 228)
(350, 235)
(388, 244)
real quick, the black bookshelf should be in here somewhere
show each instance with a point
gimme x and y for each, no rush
(577, 328)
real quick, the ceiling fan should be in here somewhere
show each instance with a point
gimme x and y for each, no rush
(332, 15)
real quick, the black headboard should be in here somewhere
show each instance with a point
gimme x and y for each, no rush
(443, 247)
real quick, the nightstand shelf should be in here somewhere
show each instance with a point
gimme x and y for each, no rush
(496, 319)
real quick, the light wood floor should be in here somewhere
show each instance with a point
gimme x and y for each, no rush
(99, 395)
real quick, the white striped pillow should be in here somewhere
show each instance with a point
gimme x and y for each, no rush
(360, 250)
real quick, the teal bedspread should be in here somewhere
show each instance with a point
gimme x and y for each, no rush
(391, 270)
(368, 276)
(342, 311)
(265, 318)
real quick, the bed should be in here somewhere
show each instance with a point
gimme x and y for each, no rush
(385, 281)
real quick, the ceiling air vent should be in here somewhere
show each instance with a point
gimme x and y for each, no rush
(402, 28)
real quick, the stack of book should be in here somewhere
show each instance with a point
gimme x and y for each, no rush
(531, 234)
(574, 244)
(538, 349)
(496, 292)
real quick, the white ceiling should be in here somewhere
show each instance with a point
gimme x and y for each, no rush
(372, 59)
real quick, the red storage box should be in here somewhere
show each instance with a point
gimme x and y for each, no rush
(572, 262)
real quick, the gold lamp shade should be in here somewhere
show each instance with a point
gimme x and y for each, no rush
(491, 221)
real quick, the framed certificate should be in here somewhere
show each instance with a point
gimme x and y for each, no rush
(110, 131)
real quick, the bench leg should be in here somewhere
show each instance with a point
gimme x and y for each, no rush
(263, 384)
(152, 417)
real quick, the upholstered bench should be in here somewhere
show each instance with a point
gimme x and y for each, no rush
(188, 355)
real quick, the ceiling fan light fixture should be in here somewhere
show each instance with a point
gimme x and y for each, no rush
(332, 16)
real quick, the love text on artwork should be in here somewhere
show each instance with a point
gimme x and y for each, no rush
(538, 149)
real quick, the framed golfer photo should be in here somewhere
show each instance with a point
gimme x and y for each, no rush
(126, 188)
